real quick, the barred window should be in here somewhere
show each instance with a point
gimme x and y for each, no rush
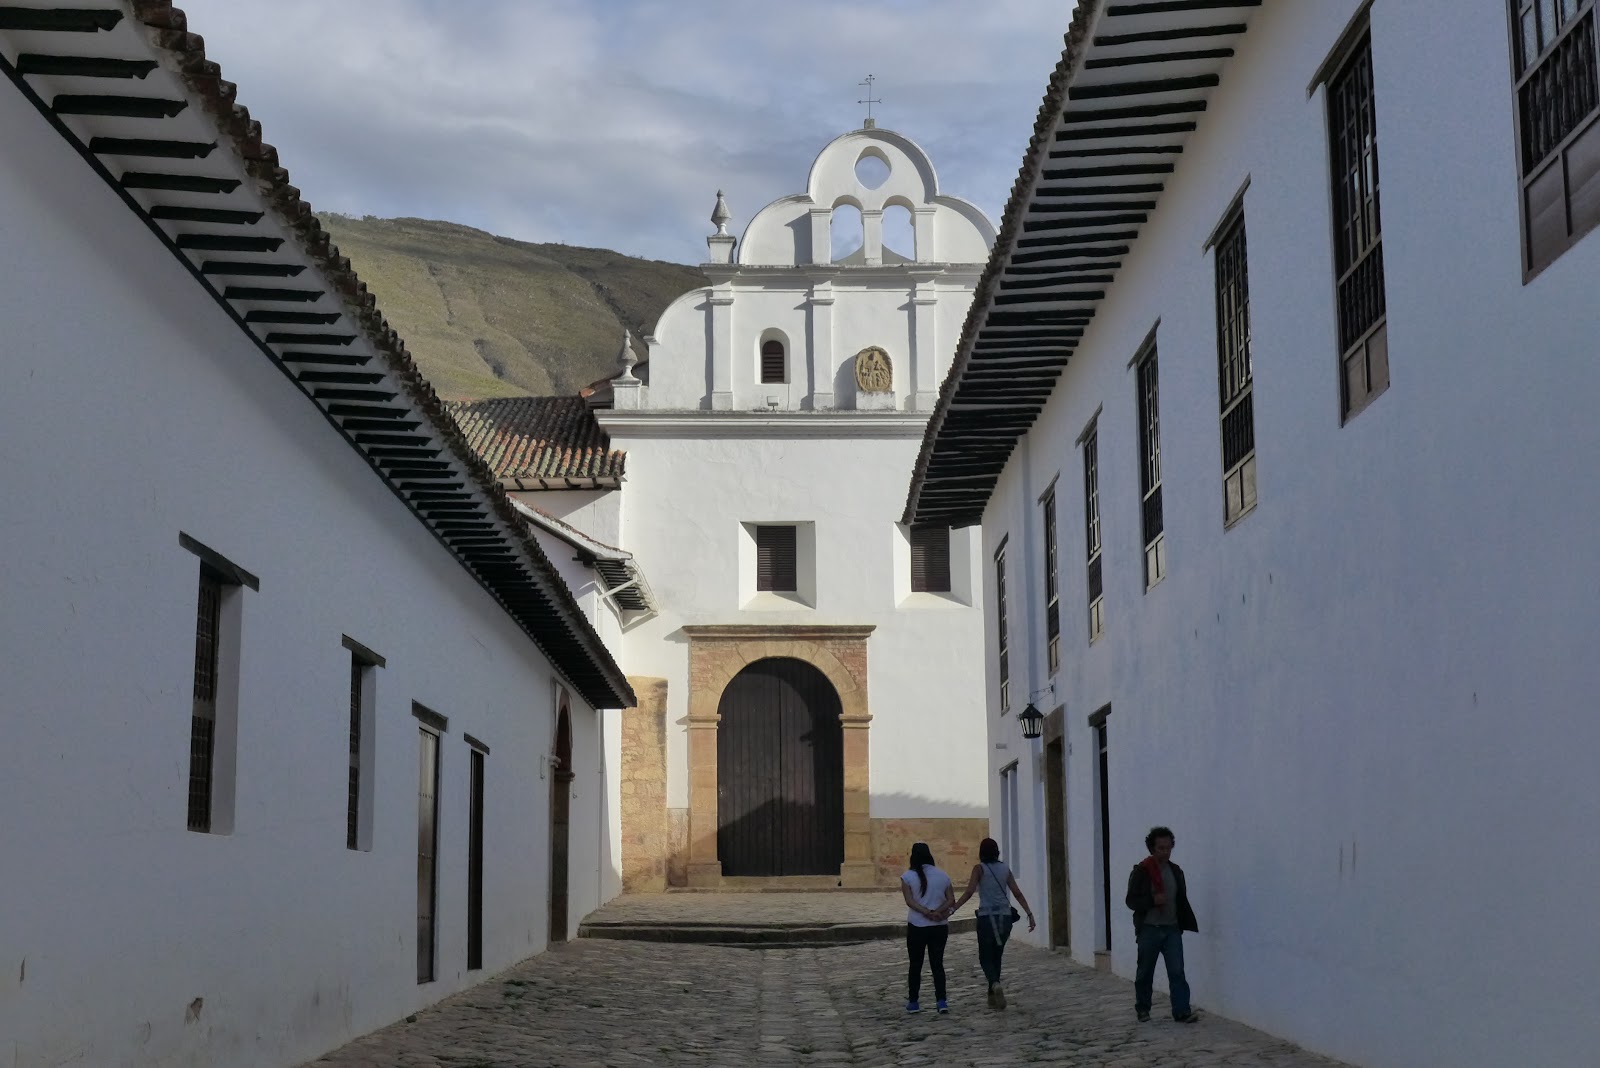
(1091, 518)
(352, 817)
(1052, 587)
(203, 721)
(1001, 630)
(1358, 232)
(1155, 552)
(1557, 90)
(1234, 371)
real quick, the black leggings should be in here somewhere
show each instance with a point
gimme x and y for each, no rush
(930, 940)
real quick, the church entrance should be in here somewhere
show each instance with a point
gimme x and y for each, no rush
(780, 772)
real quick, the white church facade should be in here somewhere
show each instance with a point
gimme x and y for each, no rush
(1285, 505)
(808, 670)
(304, 731)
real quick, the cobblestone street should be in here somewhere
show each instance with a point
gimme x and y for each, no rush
(617, 1003)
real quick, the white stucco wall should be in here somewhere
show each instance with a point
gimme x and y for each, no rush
(133, 410)
(687, 499)
(1365, 709)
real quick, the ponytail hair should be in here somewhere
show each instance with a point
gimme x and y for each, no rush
(921, 856)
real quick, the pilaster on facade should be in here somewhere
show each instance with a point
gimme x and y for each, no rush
(821, 236)
(872, 236)
(721, 302)
(823, 368)
(924, 340)
(923, 222)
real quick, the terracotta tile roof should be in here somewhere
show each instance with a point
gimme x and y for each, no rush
(235, 221)
(540, 439)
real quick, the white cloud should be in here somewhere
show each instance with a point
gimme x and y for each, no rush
(613, 122)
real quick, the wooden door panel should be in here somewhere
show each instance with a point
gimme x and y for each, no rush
(780, 772)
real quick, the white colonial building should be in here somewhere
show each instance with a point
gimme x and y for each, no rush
(303, 729)
(1290, 533)
(808, 669)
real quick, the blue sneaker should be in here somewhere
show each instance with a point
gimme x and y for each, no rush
(944, 1006)
(912, 1006)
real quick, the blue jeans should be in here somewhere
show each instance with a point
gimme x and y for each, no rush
(992, 934)
(1167, 943)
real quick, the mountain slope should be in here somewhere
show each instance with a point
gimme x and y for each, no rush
(486, 316)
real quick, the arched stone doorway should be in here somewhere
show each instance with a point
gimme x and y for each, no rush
(780, 772)
(560, 818)
(718, 654)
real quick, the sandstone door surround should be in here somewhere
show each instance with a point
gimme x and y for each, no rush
(719, 652)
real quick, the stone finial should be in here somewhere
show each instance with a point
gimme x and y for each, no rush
(627, 357)
(720, 215)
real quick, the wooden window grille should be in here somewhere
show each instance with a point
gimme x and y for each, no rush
(1358, 232)
(1234, 372)
(1052, 586)
(427, 854)
(930, 560)
(776, 559)
(203, 722)
(1557, 84)
(1091, 519)
(1150, 518)
(1001, 629)
(475, 866)
(352, 814)
(774, 364)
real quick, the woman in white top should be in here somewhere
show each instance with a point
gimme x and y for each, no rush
(930, 898)
(994, 884)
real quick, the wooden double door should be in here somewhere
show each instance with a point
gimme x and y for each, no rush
(780, 772)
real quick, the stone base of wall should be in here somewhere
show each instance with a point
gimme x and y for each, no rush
(646, 841)
(954, 843)
(677, 847)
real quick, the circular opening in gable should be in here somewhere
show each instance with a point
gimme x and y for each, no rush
(872, 170)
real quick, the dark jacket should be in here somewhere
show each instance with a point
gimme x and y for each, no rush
(1142, 897)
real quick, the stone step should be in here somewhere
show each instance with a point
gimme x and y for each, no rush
(756, 933)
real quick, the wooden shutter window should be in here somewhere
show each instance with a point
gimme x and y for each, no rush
(203, 721)
(775, 560)
(930, 560)
(774, 367)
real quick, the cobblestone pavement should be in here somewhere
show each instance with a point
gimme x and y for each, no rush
(616, 1004)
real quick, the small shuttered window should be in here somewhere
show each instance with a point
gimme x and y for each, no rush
(774, 366)
(775, 560)
(1234, 372)
(930, 560)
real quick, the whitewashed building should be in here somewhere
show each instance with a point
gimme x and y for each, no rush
(228, 492)
(1287, 535)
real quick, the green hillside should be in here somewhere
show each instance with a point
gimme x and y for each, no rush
(486, 316)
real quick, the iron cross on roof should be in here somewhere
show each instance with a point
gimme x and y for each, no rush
(869, 101)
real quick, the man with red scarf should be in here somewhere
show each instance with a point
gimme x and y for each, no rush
(1159, 898)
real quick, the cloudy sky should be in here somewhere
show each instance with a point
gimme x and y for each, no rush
(612, 123)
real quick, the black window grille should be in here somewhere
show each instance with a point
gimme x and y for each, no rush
(1558, 102)
(203, 722)
(427, 854)
(776, 559)
(352, 818)
(1002, 629)
(1052, 586)
(475, 866)
(1234, 371)
(1358, 231)
(930, 560)
(774, 364)
(1091, 519)
(1150, 517)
